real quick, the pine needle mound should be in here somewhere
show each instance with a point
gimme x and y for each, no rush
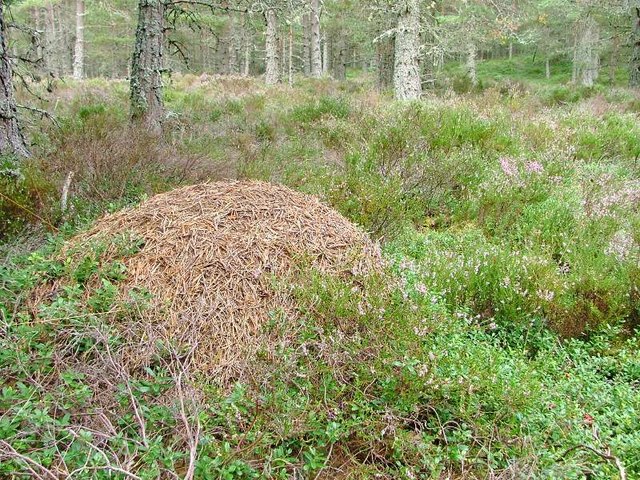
(211, 258)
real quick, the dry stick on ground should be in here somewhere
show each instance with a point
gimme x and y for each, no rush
(606, 455)
(194, 438)
(134, 403)
(108, 466)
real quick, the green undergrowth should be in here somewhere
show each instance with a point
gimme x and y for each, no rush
(502, 340)
(389, 379)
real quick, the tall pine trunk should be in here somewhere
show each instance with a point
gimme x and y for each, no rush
(11, 140)
(587, 61)
(51, 43)
(306, 45)
(78, 57)
(283, 63)
(147, 65)
(246, 38)
(35, 15)
(613, 62)
(316, 52)
(291, 55)
(326, 56)
(340, 60)
(406, 77)
(634, 78)
(272, 74)
(247, 59)
(385, 50)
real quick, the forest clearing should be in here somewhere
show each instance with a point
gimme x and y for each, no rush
(320, 239)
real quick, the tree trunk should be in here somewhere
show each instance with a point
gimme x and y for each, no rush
(406, 77)
(547, 69)
(78, 57)
(306, 45)
(326, 57)
(65, 47)
(574, 66)
(51, 44)
(272, 74)
(472, 64)
(11, 140)
(291, 55)
(340, 62)
(35, 14)
(316, 52)
(233, 58)
(223, 55)
(283, 64)
(634, 78)
(247, 59)
(147, 65)
(587, 59)
(613, 62)
(385, 49)
(247, 49)
(510, 50)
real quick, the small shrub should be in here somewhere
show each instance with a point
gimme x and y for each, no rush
(25, 196)
(325, 106)
(114, 161)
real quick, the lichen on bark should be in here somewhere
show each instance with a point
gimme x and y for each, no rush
(147, 106)
(12, 141)
(406, 80)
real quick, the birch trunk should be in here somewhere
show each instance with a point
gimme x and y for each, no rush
(78, 57)
(634, 78)
(316, 52)
(406, 77)
(272, 74)
(11, 140)
(147, 65)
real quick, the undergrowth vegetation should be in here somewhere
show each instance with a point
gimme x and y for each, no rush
(501, 340)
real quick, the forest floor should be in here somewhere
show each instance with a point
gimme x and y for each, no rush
(505, 343)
